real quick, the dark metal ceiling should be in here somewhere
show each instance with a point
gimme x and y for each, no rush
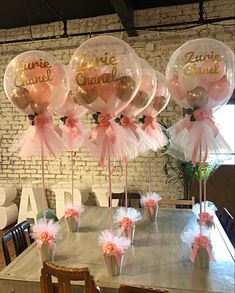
(17, 13)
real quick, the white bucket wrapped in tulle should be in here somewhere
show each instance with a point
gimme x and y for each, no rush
(72, 217)
(199, 242)
(45, 234)
(113, 251)
(207, 214)
(150, 203)
(127, 218)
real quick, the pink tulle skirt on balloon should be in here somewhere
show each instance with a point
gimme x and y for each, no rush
(74, 136)
(111, 141)
(154, 130)
(39, 139)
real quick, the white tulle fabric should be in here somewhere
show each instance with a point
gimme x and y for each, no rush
(107, 236)
(207, 206)
(131, 213)
(158, 138)
(187, 139)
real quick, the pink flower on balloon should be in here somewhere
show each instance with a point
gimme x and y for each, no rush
(201, 114)
(125, 121)
(70, 122)
(148, 120)
(103, 119)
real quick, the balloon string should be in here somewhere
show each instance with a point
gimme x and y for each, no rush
(126, 195)
(204, 187)
(110, 195)
(149, 173)
(72, 175)
(43, 182)
(200, 184)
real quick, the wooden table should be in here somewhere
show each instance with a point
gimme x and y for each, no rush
(158, 258)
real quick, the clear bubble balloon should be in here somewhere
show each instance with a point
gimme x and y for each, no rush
(201, 74)
(145, 93)
(35, 82)
(161, 97)
(104, 73)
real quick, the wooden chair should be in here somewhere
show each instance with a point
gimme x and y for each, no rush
(139, 289)
(131, 196)
(64, 276)
(175, 202)
(18, 236)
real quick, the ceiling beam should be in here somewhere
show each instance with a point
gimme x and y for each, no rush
(125, 12)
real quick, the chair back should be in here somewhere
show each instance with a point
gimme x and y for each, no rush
(17, 235)
(65, 275)
(176, 202)
(130, 197)
(135, 289)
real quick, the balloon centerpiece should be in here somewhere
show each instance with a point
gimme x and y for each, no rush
(36, 84)
(104, 74)
(200, 78)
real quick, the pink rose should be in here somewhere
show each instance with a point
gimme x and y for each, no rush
(38, 120)
(103, 119)
(126, 222)
(125, 121)
(201, 114)
(44, 237)
(151, 203)
(148, 120)
(109, 248)
(70, 122)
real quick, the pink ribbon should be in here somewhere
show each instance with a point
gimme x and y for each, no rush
(149, 121)
(201, 241)
(73, 128)
(206, 219)
(43, 238)
(72, 213)
(41, 123)
(106, 126)
(128, 122)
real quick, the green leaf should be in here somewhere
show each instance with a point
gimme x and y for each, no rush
(189, 111)
(31, 117)
(63, 119)
(192, 118)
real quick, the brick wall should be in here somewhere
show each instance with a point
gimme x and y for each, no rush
(155, 47)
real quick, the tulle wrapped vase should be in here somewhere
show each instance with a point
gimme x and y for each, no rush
(72, 217)
(113, 251)
(151, 212)
(114, 263)
(150, 204)
(46, 252)
(45, 233)
(72, 223)
(126, 218)
(201, 252)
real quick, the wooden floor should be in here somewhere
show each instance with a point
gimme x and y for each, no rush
(11, 249)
